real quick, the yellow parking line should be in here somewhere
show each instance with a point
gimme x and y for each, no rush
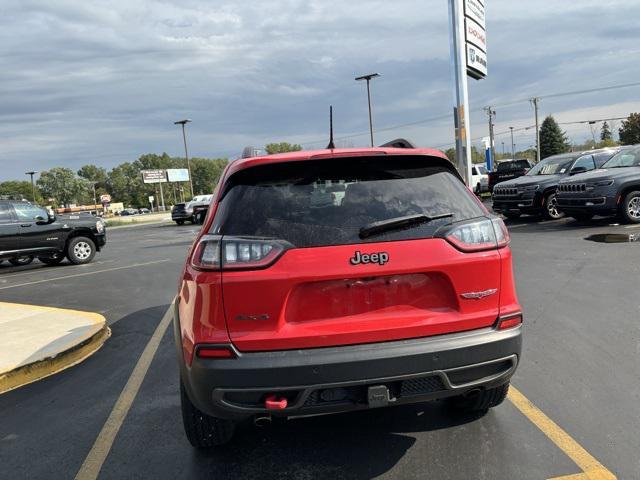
(91, 466)
(593, 470)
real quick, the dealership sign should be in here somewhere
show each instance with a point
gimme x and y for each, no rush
(475, 38)
(154, 176)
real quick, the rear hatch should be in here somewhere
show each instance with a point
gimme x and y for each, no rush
(300, 271)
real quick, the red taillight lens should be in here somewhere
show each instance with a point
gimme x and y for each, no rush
(509, 321)
(476, 236)
(502, 233)
(236, 253)
(216, 352)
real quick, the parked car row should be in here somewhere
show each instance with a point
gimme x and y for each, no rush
(582, 185)
(133, 211)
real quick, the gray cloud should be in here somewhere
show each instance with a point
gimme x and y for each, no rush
(102, 82)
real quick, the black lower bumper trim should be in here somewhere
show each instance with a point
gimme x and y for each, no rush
(236, 388)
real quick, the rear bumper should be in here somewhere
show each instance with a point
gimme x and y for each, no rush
(325, 380)
(181, 215)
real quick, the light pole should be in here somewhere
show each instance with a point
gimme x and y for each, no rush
(513, 145)
(186, 152)
(368, 79)
(503, 149)
(33, 187)
(95, 199)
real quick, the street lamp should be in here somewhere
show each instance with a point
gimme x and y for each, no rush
(368, 79)
(186, 153)
(513, 146)
(33, 187)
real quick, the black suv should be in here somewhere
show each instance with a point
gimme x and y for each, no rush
(535, 192)
(28, 231)
(613, 189)
(508, 170)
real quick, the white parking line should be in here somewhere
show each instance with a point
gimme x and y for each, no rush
(81, 274)
(39, 268)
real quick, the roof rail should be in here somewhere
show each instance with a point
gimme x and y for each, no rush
(398, 143)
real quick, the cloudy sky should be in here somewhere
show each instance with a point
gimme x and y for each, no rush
(89, 81)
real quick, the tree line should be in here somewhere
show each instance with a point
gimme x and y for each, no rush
(61, 186)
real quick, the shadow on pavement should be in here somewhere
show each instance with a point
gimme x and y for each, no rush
(355, 445)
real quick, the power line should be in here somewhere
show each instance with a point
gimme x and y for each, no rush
(475, 110)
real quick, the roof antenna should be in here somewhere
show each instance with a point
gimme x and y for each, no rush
(331, 144)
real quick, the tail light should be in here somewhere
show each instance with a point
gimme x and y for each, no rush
(479, 235)
(216, 352)
(509, 321)
(215, 252)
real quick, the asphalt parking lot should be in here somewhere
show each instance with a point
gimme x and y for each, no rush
(580, 368)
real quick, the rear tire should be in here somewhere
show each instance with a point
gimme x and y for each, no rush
(630, 207)
(180, 222)
(21, 261)
(81, 250)
(550, 208)
(482, 401)
(203, 431)
(52, 260)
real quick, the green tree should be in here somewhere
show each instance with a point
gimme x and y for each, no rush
(205, 173)
(18, 190)
(63, 186)
(552, 139)
(125, 185)
(605, 132)
(630, 130)
(282, 147)
(451, 154)
(92, 173)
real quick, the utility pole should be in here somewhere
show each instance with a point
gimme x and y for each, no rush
(33, 186)
(492, 115)
(513, 145)
(368, 79)
(535, 102)
(95, 199)
(186, 152)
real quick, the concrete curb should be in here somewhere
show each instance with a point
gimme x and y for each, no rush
(49, 366)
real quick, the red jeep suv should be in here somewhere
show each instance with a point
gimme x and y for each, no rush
(336, 280)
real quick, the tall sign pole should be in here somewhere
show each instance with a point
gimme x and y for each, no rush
(535, 106)
(468, 58)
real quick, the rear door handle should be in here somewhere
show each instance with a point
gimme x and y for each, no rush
(25, 225)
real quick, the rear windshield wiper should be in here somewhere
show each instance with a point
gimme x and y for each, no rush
(397, 223)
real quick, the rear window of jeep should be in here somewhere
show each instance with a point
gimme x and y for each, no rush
(328, 202)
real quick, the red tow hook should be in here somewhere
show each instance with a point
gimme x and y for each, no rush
(274, 403)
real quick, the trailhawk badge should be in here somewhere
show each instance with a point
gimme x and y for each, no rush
(478, 295)
(359, 258)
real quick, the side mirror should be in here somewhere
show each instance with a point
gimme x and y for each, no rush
(52, 217)
(40, 220)
(576, 170)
